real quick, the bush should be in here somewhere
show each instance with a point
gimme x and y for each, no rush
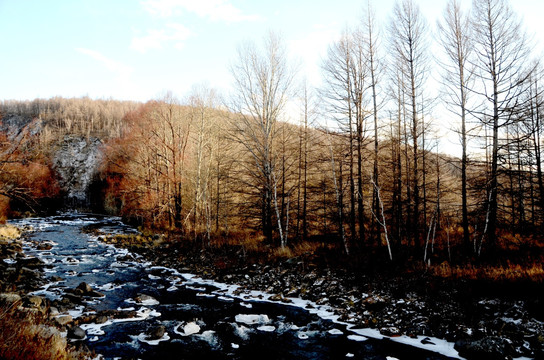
(25, 335)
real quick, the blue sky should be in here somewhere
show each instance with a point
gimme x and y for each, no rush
(130, 49)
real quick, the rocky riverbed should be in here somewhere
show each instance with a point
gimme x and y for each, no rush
(119, 305)
(484, 320)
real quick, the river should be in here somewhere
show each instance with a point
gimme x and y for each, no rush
(192, 318)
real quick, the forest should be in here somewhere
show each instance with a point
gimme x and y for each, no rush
(352, 168)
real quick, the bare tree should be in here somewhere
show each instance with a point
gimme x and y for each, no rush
(456, 40)
(307, 118)
(338, 94)
(203, 103)
(408, 33)
(501, 49)
(375, 69)
(262, 85)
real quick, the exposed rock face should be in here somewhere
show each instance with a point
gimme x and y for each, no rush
(13, 125)
(77, 162)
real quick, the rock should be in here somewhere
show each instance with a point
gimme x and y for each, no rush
(85, 288)
(146, 299)
(53, 311)
(77, 162)
(63, 320)
(70, 299)
(122, 314)
(488, 348)
(33, 301)
(101, 319)
(427, 341)
(9, 298)
(76, 333)
(375, 303)
(44, 247)
(277, 297)
(156, 333)
(31, 262)
(390, 331)
(94, 293)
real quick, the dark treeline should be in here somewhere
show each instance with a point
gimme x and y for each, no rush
(359, 167)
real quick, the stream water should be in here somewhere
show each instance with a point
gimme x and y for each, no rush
(202, 319)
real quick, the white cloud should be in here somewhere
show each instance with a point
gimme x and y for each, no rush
(156, 39)
(215, 10)
(120, 69)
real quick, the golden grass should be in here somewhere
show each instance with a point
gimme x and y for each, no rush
(9, 232)
(509, 272)
(135, 240)
(24, 336)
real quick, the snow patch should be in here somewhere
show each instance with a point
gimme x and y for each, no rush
(225, 299)
(267, 328)
(358, 338)
(252, 319)
(187, 329)
(143, 338)
(241, 331)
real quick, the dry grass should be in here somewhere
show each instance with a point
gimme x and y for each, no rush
(9, 232)
(300, 249)
(138, 241)
(4, 209)
(497, 273)
(24, 336)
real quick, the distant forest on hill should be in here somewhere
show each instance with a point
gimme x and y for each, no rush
(213, 170)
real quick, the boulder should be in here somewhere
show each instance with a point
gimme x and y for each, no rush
(63, 320)
(101, 319)
(94, 293)
(146, 299)
(33, 302)
(44, 247)
(85, 288)
(156, 333)
(53, 311)
(76, 333)
(488, 348)
(9, 298)
(31, 262)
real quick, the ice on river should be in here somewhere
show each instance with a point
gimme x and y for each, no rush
(187, 329)
(144, 338)
(267, 328)
(252, 319)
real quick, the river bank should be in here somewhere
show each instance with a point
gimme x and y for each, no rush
(485, 320)
(28, 331)
(121, 306)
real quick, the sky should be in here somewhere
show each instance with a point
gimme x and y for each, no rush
(137, 50)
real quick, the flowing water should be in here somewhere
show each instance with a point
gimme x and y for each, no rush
(202, 319)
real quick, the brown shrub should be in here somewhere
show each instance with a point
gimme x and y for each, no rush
(25, 336)
(4, 209)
